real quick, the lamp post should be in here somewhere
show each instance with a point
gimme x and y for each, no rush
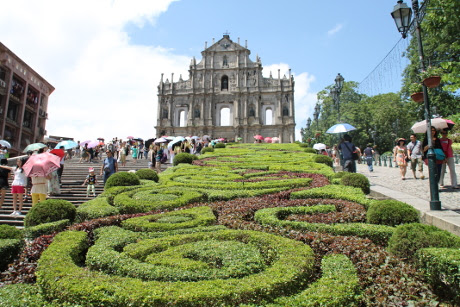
(402, 15)
(335, 92)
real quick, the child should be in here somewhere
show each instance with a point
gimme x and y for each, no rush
(91, 180)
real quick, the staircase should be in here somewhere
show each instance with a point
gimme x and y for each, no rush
(73, 176)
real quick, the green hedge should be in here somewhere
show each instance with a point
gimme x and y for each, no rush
(207, 149)
(148, 174)
(219, 145)
(22, 295)
(10, 232)
(357, 181)
(409, 238)
(95, 208)
(441, 267)
(194, 217)
(33, 232)
(392, 213)
(50, 210)
(148, 199)
(338, 286)
(310, 150)
(273, 216)
(324, 159)
(184, 158)
(9, 250)
(122, 179)
(61, 277)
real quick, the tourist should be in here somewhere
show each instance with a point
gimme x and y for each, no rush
(446, 144)
(436, 145)
(39, 189)
(61, 168)
(4, 184)
(400, 155)
(18, 184)
(335, 155)
(146, 152)
(368, 156)
(141, 150)
(414, 151)
(109, 166)
(77, 150)
(348, 148)
(91, 180)
(85, 153)
(158, 158)
(123, 153)
(135, 152)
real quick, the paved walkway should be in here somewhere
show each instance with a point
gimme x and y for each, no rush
(387, 181)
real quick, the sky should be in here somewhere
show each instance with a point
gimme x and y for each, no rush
(105, 57)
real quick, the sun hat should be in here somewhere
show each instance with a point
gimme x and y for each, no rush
(91, 169)
(401, 139)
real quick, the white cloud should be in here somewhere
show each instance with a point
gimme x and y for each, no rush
(105, 86)
(305, 100)
(334, 30)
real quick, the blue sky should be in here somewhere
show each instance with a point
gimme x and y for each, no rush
(105, 57)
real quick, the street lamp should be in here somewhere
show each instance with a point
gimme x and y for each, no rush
(316, 114)
(335, 93)
(402, 16)
(308, 123)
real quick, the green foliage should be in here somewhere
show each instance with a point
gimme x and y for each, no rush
(184, 157)
(9, 249)
(50, 210)
(33, 232)
(324, 159)
(409, 238)
(392, 213)
(309, 150)
(219, 145)
(415, 87)
(441, 267)
(10, 232)
(122, 179)
(304, 145)
(148, 174)
(207, 149)
(95, 208)
(431, 71)
(358, 181)
(339, 175)
(21, 295)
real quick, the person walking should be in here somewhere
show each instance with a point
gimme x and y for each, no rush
(158, 157)
(39, 189)
(436, 145)
(91, 181)
(446, 144)
(123, 154)
(368, 156)
(134, 154)
(4, 184)
(18, 184)
(400, 156)
(348, 148)
(109, 166)
(414, 151)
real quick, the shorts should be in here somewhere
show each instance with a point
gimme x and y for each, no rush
(17, 189)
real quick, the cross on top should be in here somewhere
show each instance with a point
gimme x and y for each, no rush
(227, 33)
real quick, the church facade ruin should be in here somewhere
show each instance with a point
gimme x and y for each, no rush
(226, 96)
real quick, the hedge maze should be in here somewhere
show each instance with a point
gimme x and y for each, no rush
(244, 225)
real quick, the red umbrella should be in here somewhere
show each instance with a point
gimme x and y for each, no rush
(58, 152)
(258, 137)
(41, 165)
(450, 124)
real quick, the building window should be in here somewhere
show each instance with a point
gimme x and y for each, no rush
(225, 61)
(182, 119)
(225, 117)
(252, 112)
(268, 117)
(164, 114)
(285, 111)
(12, 111)
(224, 83)
(197, 113)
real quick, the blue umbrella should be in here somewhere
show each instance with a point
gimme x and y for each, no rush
(67, 144)
(340, 128)
(176, 140)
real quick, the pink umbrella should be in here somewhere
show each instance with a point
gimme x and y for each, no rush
(221, 139)
(268, 139)
(258, 137)
(275, 139)
(130, 137)
(41, 165)
(82, 144)
(93, 144)
(450, 124)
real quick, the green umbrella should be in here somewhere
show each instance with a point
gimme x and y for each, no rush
(33, 147)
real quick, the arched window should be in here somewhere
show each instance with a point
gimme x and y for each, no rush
(182, 119)
(197, 113)
(225, 117)
(268, 117)
(252, 112)
(224, 83)
(285, 111)
(164, 113)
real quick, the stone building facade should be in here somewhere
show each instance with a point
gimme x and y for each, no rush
(23, 102)
(226, 96)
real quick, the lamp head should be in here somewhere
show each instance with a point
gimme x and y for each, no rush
(402, 15)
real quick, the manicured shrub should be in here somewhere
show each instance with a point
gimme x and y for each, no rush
(122, 179)
(184, 158)
(323, 159)
(148, 174)
(357, 181)
(392, 213)
(33, 232)
(339, 175)
(310, 150)
(10, 232)
(409, 238)
(207, 149)
(95, 208)
(219, 145)
(9, 250)
(21, 295)
(50, 210)
(441, 267)
(303, 145)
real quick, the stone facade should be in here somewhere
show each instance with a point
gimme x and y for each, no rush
(226, 82)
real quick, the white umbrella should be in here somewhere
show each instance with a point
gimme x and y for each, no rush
(5, 143)
(340, 128)
(319, 146)
(438, 123)
(160, 140)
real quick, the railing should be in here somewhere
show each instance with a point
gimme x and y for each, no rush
(389, 162)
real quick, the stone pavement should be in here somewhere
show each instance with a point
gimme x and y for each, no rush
(386, 182)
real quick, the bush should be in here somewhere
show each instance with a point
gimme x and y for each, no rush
(219, 145)
(148, 174)
(207, 149)
(33, 232)
(409, 238)
(10, 232)
(122, 179)
(323, 159)
(441, 267)
(310, 150)
(303, 145)
(9, 249)
(339, 175)
(20, 295)
(392, 213)
(50, 210)
(95, 208)
(184, 158)
(357, 181)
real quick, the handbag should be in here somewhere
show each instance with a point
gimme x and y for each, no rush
(440, 155)
(354, 154)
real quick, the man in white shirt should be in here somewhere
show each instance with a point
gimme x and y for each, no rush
(415, 153)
